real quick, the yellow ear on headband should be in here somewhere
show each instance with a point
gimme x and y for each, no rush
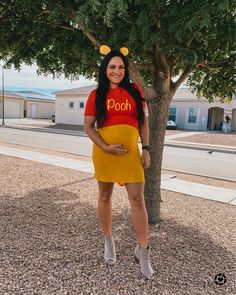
(124, 51)
(104, 49)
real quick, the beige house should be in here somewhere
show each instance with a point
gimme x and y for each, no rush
(37, 105)
(189, 112)
(13, 105)
(186, 110)
(27, 104)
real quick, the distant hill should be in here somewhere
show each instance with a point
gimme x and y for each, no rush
(47, 91)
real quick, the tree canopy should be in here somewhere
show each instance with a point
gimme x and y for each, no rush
(192, 38)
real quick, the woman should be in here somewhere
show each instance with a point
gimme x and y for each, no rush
(117, 109)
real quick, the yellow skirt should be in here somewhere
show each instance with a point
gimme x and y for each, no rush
(122, 169)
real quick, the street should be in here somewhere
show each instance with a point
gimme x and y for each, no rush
(216, 164)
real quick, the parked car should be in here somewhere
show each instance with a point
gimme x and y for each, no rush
(53, 118)
(170, 125)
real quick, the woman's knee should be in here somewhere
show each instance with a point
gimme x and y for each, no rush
(105, 192)
(105, 196)
(137, 200)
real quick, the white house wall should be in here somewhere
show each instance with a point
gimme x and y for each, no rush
(234, 119)
(67, 115)
(13, 108)
(182, 114)
(183, 100)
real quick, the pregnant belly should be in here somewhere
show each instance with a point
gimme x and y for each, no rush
(120, 134)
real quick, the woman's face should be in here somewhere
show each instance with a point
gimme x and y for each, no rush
(115, 71)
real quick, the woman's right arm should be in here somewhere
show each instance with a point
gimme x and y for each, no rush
(89, 123)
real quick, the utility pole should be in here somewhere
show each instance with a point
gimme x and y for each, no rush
(3, 97)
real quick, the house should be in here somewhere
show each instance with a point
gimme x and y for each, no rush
(186, 110)
(27, 104)
(37, 105)
(190, 112)
(13, 105)
(70, 105)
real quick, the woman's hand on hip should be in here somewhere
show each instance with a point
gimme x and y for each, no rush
(145, 159)
(116, 149)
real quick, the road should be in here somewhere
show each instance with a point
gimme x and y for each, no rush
(219, 165)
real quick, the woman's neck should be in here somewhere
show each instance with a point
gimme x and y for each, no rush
(113, 86)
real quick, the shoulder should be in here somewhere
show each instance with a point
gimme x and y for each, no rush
(93, 92)
(90, 109)
(92, 95)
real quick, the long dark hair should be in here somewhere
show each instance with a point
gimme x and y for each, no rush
(103, 88)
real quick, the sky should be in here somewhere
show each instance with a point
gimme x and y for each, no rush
(28, 79)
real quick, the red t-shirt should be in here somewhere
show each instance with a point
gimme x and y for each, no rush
(120, 107)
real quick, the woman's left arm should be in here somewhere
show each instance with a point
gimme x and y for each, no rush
(144, 136)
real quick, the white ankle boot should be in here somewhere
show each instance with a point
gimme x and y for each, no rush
(142, 257)
(110, 251)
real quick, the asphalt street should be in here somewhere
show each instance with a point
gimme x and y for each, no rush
(216, 164)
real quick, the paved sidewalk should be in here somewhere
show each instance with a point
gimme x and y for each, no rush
(168, 180)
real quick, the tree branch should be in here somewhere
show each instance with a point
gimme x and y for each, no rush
(45, 12)
(52, 24)
(158, 20)
(48, 23)
(142, 66)
(208, 68)
(134, 73)
(173, 60)
(89, 35)
(190, 41)
(137, 78)
(182, 78)
(161, 63)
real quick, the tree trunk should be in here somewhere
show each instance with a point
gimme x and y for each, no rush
(158, 113)
(158, 99)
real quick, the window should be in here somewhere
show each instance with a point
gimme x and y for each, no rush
(81, 105)
(192, 117)
(172, 114)
(71, 105)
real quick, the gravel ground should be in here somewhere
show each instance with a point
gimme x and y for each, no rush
(51, 242)
(228, 139)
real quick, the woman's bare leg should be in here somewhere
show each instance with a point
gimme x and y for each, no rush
(105, 206)
(140, 222)
(105, 215)
(138, 212)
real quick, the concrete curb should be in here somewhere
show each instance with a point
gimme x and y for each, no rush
(47, 130)
(203, 147)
